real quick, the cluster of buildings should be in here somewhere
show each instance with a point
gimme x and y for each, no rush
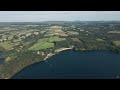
(3, 37)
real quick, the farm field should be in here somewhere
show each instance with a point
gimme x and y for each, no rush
(45, 43)
(41, 45)
(117, 43)
(6, 45)
(55, 39)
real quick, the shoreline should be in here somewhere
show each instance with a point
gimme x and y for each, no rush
(45, 59)
(50, 55)
(57, 51)
(63, 49)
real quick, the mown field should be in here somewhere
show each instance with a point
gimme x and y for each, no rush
(99, 39)
(6, 45)
(45, 43)
(117, 43)
(42, 45)
(55, 39)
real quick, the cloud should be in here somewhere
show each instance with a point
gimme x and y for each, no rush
(36, 16)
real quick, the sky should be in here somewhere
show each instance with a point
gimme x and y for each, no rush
(38, 16)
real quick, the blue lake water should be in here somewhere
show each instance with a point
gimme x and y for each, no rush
(75, 65)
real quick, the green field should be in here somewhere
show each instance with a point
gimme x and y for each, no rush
(42, 40)
(17, 40)
(42, 45)
(6, 45)
(51, 39)
(55, 39)
(99, 39)
(45, 43)
(117, 43)
(10, 37)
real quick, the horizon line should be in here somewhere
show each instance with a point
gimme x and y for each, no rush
(62, 20)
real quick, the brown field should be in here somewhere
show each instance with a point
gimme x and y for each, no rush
(75, 39)
(72, 33)
(117, 43)
(114, 32)
(55, 27)
(63, 34)
(56, 30)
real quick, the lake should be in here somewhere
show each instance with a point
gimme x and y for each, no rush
(75, 65)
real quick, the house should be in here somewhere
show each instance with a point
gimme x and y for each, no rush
(22, 37)
(38, 52)
(3, 37)
(28, 34)
(42, 53)
(36, 33)
(82, 30)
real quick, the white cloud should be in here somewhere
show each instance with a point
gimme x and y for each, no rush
(29, 16)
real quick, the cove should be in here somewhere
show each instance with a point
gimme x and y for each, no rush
(71, 64)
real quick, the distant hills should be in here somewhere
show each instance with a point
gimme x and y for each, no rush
(57, 22)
